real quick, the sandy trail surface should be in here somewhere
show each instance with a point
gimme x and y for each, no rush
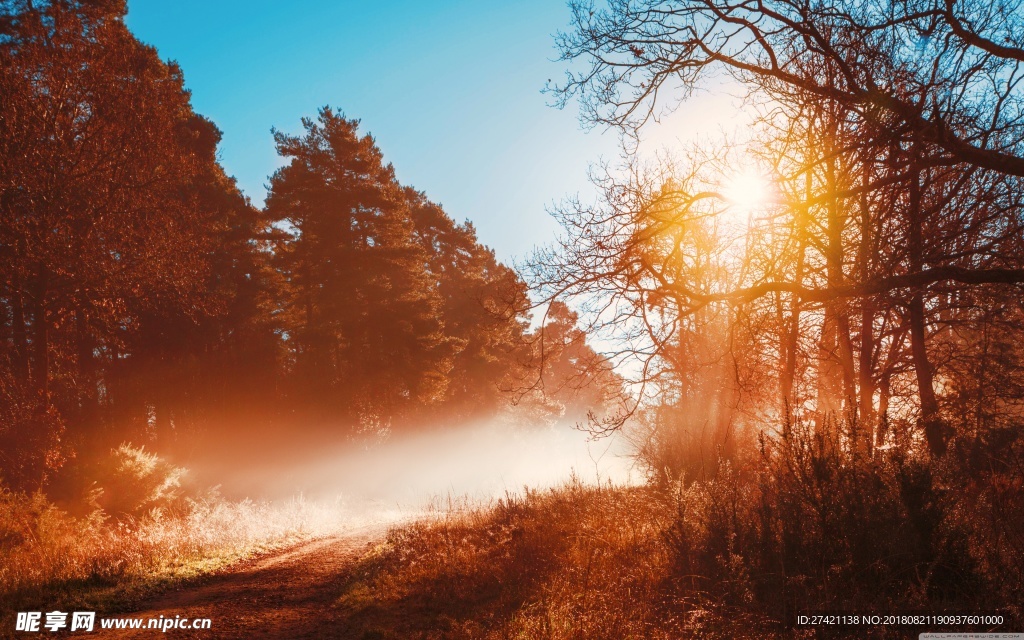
(286, 594)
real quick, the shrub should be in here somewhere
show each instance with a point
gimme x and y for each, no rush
(50, 557)
(132, 481)
(813, 526)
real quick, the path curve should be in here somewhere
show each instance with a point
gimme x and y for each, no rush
(286, 594)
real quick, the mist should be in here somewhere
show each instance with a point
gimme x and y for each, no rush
(408, 471)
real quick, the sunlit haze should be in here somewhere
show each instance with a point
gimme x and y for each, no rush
(481, 461)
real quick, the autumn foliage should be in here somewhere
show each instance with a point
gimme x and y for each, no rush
(144, 299)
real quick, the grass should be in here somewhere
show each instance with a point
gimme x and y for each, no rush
(574, 562)
(802, 526)
(52, 559)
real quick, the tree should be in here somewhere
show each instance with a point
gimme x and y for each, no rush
(364, 318)
(572, 373)
(909, 66)
(483, 310)
(909, 120)
(102, 219)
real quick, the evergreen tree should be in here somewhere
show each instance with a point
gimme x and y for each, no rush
(483, 309)
(363, 316)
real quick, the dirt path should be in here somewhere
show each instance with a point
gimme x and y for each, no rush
(287, 594)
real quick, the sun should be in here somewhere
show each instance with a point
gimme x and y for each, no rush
(746, 191)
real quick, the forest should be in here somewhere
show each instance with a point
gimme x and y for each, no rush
(146, 300)
(809, 335)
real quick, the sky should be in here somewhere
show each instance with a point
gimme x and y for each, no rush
(451, 91)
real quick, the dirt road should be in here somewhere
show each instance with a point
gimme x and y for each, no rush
(287, 594)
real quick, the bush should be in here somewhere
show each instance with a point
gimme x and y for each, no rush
(812, 526)
(156, 534)
(132, 481)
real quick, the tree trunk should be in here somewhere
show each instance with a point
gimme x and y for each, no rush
(884, 391)
(88, 398)
(828, 403)
(836, 279)
(791, 330)
(866, 388)
(935, 431)
(837, 347)
(41, 339)
(787, 354)
(19, 333)
(866, 418)
(845, 344)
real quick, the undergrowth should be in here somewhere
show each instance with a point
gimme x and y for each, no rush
(145, 535)
(803, 525)
(575, 562)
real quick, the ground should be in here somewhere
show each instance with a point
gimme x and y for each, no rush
(290, 593)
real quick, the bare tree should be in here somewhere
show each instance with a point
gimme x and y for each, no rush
(893, 132)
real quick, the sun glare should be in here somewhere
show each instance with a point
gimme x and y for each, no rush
(746, 191)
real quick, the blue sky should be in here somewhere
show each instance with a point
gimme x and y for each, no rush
(450, 91)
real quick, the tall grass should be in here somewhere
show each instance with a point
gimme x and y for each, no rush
(573, 562)
(801, 525)
(49, 557)
(809, 525)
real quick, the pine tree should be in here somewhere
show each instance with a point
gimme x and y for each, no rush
(484, 307)
(363, 317)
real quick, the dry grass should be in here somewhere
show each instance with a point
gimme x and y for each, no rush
(802, 526)
(51, 558)
(575, 562)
